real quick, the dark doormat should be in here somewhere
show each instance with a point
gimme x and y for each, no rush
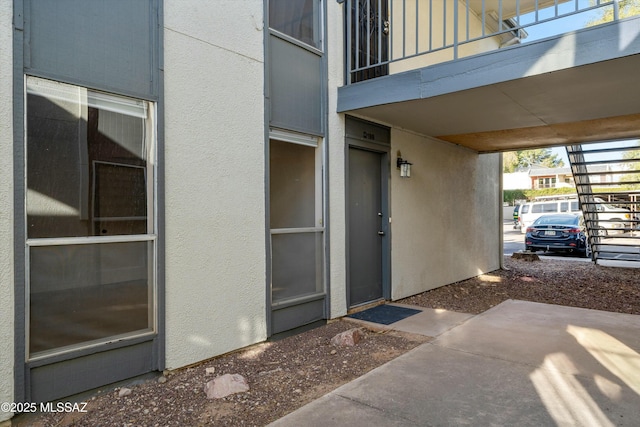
(384, 314)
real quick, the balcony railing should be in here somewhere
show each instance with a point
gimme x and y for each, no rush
(390, 36)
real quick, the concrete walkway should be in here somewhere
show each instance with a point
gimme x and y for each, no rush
(518, 364)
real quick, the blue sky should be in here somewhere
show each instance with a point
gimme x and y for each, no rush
(562, 25)
(562, 152)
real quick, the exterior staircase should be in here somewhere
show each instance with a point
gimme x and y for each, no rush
(608, 186)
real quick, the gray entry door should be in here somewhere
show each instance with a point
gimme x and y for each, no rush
(366, 232)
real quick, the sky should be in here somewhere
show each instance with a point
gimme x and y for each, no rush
(562, 152)
(562, 25)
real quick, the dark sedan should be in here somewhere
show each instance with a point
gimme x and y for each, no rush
(558, 233)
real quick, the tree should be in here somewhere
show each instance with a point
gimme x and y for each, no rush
(634, 176)
(627, 8)
(514, 160)
(509, 161)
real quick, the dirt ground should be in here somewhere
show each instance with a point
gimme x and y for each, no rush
(286, 374)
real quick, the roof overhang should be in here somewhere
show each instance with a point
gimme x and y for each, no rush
(579, 87)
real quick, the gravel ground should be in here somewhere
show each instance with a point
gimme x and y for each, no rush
(574, 284)
(286, 374)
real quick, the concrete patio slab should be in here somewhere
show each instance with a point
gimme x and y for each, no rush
(532, 333)
(520, 363)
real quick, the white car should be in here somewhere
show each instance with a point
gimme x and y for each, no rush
(609, 217)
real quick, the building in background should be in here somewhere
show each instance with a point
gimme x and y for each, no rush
(536, 178)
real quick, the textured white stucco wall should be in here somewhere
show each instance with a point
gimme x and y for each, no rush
(445, 218)
(215, 187)
(336, 164)
(6, 204)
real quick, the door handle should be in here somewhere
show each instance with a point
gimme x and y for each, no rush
(380, 233)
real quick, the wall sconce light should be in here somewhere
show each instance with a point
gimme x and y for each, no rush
(405, 167)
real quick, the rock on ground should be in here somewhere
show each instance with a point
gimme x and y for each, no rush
(225, 385)
(347, 338)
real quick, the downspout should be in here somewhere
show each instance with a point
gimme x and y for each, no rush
(500, 215)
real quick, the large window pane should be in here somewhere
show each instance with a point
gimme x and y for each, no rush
(293, 185)
(87, 171)
(85, 293)
(296, 265)
(296, 18)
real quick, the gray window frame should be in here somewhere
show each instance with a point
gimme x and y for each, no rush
(151, 236)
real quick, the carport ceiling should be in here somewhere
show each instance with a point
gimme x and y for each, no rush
(581, 104)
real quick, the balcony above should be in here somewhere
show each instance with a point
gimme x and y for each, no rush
(579, 87)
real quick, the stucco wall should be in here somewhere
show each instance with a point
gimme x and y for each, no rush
(445, 218)
(214, 157)
(336, 165)
(6, 203)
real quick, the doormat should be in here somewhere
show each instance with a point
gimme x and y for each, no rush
(384, 314)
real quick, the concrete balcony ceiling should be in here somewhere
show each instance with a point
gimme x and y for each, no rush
(580, 87)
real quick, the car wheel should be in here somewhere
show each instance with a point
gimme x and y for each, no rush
(587, 251)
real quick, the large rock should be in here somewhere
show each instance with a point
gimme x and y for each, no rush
(348, 338)
(225, 385)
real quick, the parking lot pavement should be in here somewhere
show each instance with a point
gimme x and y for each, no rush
(512, 238)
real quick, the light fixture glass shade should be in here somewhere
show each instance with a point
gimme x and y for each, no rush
(405, 170)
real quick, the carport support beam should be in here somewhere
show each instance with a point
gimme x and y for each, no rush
(501, 214)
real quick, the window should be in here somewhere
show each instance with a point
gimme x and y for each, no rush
(89, 217)
(544, 207)
(546, 182)
(569, 206)
(296, 220)
(299, 19)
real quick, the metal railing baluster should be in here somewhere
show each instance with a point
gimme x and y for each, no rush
(368, 33)
(455, 29)
(384, 47)
(431, 25)
(444, 27)
(380, 31)
(468, 24)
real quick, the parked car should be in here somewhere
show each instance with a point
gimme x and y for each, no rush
(531, 211)
(609, 217)
(558, 233)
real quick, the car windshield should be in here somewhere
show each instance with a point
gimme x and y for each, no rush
(556, 220)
